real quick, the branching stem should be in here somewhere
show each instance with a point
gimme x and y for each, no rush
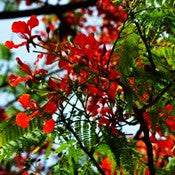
(89, 154)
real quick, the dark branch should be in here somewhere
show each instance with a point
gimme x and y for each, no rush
(4, 85)
(150, 58)
(145, 139)
(155, 100)
(89, 154)
(114, 45)
(137, 135)
(46, 10)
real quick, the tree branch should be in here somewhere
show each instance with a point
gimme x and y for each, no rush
(136, 137)
(150, 58)
(155, 100)
(47, 9)
(113, 47)
(145, 139)
(89, 154)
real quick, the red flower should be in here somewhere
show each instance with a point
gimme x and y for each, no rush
(85, 45)
(25, 172)
(20, 27)
(48, 125)
(80, 40)
(112, 90)
(93, 109)
(113, 74)
(169, 107)
(50, 107)
(64, 85)
(106, 165)
(11, 45)
(165, 147)
(103, 121)
(93, 90)
(52, 84)
(32, 22)
(22, 120)
(25, 100)
(170, 121)
(23, 66)
(50, 59)
(14, 80)
(105, 110)
(116, 11)
(25, 31)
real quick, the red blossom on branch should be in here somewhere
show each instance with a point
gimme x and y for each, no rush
(25, 31)
(24, 100)
(22, 120)
(50, 107)
(14, 80)
(48, 125)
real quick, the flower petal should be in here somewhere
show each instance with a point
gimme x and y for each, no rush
(19, 27)
(50, 107)
(14, 80)
(32, 22)
(23, 66)
(25, 100)
(22, 120)
(48, 126)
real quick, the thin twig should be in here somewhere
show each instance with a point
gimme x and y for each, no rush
(113, 47)
(89, 154)
(155, 100)
(150, 58)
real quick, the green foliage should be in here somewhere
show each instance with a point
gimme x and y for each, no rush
(87, 132)
(147, 36)
(15, 139)
(69, 158)
(128, 53)
(170, 168)
(2, 79)
(5, 53)
(122, 150)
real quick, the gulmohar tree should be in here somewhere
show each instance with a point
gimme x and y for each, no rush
(88, 82)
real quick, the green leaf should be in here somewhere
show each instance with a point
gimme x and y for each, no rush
(11, 6)
(9, 131)
(5, 53)
(63, 146)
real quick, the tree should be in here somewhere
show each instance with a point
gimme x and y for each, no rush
(88, 81)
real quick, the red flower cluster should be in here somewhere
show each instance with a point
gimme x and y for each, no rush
(87, 66)
(22, 119)
(113, 17)
(86, 63)
(25, 31)
(50, 107)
